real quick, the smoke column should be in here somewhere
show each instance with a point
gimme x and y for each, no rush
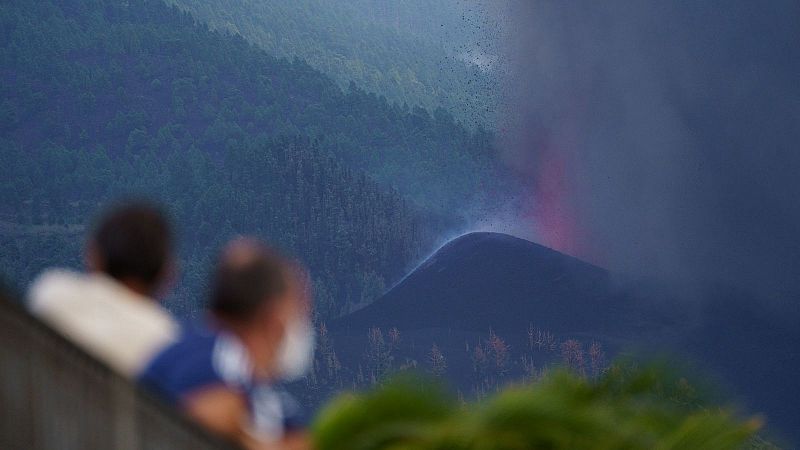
(664, 136)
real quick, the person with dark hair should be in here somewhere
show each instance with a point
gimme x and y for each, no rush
(132, 244)
(110, 311)
(225, 376)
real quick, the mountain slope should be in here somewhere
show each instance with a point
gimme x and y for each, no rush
(484, 281)
(410, 52)
(103, 98)
(488, 280)
(114, 74)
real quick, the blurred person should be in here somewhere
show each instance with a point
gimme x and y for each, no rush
(225, 375)
(111, 311)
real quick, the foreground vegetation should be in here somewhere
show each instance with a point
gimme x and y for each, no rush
(626, 408)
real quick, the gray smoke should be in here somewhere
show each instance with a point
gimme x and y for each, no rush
(680, 126)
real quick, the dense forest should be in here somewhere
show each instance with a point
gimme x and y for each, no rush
(103, 98)
(421, 53)
(480, 364)
(354, 237)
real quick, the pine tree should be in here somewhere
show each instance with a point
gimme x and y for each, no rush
(596, 358)
(437, 361)
(500, 354)
(379, 358)
(572, 356)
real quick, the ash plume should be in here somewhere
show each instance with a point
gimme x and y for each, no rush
(676, 128)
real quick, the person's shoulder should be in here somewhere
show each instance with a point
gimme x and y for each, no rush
(114, 324)
(193, 338)
(198, 359)
(54, 289)
(192, 348)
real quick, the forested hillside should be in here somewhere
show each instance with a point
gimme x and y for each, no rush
(97, 78)
(104, 97)
(421, 52)
(348, 231)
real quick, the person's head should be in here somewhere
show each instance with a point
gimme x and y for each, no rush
(258, 292)
(132, 243)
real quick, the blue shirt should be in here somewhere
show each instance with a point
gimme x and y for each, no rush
(204, 358)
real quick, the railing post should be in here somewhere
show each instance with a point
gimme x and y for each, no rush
(55, 396)
(126, 436)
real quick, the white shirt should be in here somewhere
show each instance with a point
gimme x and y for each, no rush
(116, 325)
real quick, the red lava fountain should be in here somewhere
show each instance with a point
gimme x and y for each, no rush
(553, 213)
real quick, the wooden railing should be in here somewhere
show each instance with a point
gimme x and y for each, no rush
(55, 396)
